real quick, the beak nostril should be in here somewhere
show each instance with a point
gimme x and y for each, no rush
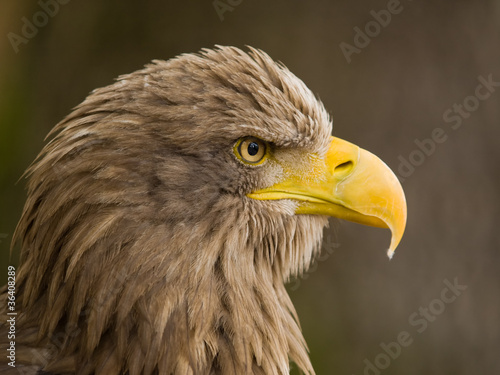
(347, 166)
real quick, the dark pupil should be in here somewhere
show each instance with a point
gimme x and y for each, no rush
(253, 148)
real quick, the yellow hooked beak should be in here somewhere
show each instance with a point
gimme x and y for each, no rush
(352, 184)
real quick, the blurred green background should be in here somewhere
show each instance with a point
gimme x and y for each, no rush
(392, 95)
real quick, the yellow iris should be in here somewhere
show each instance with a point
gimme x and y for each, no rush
(251, 150)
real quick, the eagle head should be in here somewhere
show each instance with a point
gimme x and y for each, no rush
(168, 210)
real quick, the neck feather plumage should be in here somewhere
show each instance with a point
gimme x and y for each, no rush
(186, 299)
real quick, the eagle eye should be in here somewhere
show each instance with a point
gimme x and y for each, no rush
(251, 150)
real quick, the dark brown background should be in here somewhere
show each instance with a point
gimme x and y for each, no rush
(395, 91)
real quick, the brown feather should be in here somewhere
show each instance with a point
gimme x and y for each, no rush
(140, 251)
